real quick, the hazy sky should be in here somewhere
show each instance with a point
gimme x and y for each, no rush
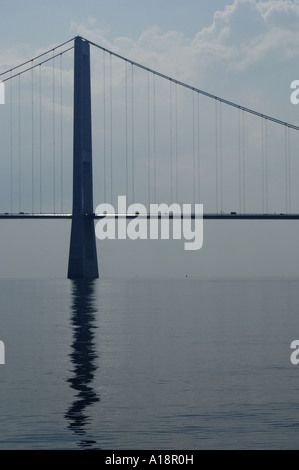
(243, 50)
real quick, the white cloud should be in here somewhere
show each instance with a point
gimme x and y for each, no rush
(248, 43)
(280, 13)
(245, 34)
(247, 31)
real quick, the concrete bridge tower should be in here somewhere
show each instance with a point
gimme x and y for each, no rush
(83, 261)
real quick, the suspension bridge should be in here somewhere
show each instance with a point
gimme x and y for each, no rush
(81, 116)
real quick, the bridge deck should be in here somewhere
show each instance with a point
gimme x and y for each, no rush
(207, 216)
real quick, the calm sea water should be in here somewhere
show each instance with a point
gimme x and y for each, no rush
(149, 364)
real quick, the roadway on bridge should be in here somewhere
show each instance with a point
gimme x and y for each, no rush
(208, 216)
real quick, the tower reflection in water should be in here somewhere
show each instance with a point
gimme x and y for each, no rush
(83, 357)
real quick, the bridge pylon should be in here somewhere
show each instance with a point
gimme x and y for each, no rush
(83, 263)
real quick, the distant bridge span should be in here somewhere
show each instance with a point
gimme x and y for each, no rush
(207, 216)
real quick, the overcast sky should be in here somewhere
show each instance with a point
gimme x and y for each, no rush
(245, 51)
